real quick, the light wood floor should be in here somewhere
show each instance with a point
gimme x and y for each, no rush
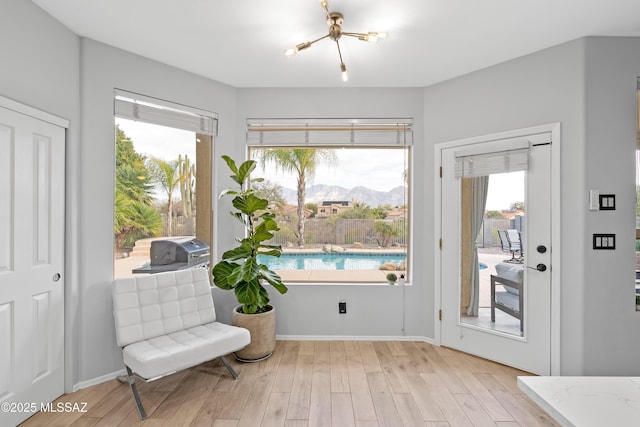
(320, 383)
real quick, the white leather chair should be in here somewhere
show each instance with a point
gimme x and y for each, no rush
(166, 322)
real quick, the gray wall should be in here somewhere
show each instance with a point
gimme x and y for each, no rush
(545, 87)
(611, 324)
(40, 68)
(103, 69)
(589, 87)
(372, 310)
(39, 60)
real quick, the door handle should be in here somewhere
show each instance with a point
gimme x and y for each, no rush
(539, 267)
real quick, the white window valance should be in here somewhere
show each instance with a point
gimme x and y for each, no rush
(132, 106)
(492, 163)
(329, 132)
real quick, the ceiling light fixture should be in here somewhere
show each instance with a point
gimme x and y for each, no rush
(335, 20)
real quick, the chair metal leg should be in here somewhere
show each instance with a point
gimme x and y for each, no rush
(132, 383)
(493, 299)
(229, 368)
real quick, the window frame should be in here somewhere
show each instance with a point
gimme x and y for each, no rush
(203, 124)
(346, 131)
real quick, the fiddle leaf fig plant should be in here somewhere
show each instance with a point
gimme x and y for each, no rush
(239, 268)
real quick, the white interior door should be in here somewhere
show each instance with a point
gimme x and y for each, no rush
(503, 338)
(31, 264)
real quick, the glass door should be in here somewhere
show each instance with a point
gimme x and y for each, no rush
(493, 227)
(495, 259)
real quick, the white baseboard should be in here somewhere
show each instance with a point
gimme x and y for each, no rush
(353, 338)
(98, 380)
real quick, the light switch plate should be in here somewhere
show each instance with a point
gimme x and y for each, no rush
(594, 200)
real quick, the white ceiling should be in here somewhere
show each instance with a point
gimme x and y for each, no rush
(241, 42)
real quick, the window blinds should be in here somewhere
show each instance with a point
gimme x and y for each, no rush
(329, 132)
(492, 163)
(136, 107)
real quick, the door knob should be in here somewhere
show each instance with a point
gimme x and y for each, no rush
(539, 267)
(56, 277)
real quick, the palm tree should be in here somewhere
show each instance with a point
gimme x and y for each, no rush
(133, 182)
(134, 215)
(134, 219)
(165, 174)
(302, 161)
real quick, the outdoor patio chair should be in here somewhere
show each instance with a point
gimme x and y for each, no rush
(507, 292)
(511, 242)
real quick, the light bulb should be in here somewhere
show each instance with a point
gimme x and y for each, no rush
(297, 48)
(345, 76)
(373, 37)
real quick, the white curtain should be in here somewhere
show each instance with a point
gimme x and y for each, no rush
(479, 187)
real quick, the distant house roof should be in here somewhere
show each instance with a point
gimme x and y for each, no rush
(335, 202)
(396, 213)
(291, 210)
(509, 214)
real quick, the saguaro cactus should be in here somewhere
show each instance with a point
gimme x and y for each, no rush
(187, 174)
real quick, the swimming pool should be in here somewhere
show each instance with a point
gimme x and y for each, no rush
(333, 261)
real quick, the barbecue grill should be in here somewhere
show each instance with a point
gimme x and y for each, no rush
(176, 254)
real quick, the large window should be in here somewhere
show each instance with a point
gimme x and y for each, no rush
(162, 181)
(341, 194)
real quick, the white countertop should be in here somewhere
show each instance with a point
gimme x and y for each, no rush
(586, 401)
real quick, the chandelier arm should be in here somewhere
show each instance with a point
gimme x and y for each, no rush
(360, 36)
(339, 52)
(325, 6)
(343, 68)
(302, 46)
(318, 39)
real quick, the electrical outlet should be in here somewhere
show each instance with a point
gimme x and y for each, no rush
(342, 307)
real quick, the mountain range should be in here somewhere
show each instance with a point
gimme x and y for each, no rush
(319, 192)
